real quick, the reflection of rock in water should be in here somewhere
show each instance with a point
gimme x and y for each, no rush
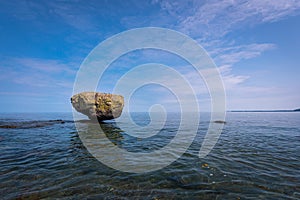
(111, 131)
(77, 149)
(75, 141)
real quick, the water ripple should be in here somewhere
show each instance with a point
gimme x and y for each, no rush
(252, 160)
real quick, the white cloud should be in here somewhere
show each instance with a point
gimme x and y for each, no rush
(46, 65)
(217, 18)
(226, 57)
(209, 21)
(233, 54)
(38, 72)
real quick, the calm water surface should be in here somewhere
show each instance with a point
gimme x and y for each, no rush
(256, 157)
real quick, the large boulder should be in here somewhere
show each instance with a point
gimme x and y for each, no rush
(100, 106)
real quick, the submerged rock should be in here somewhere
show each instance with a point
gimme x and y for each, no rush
(100, 106)
(31, 124)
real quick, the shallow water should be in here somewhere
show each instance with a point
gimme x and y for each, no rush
(256, 157)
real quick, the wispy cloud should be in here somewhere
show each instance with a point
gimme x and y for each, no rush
(38, 72)
(227, 57)
(218, 17)
(74, 28)
(209, 22)
(230, 80)
(46, 65)
(234, 54)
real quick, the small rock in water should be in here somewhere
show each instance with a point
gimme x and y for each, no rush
(205, 165)
(220, 122)
(100, 106)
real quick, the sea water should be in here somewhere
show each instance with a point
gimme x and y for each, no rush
(256, 157)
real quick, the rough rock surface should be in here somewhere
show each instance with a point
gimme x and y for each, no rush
(100, 106)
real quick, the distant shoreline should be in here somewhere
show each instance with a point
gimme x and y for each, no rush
(296, 110)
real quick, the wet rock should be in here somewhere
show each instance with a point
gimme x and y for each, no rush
(31, 124)
(220, 122)
(100, 106)
(8, 126)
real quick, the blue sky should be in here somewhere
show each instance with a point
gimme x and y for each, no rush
(255, 45)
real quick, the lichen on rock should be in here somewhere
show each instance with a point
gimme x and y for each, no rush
(100, 106)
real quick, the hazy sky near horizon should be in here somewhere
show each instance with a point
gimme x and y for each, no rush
(255, 44)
